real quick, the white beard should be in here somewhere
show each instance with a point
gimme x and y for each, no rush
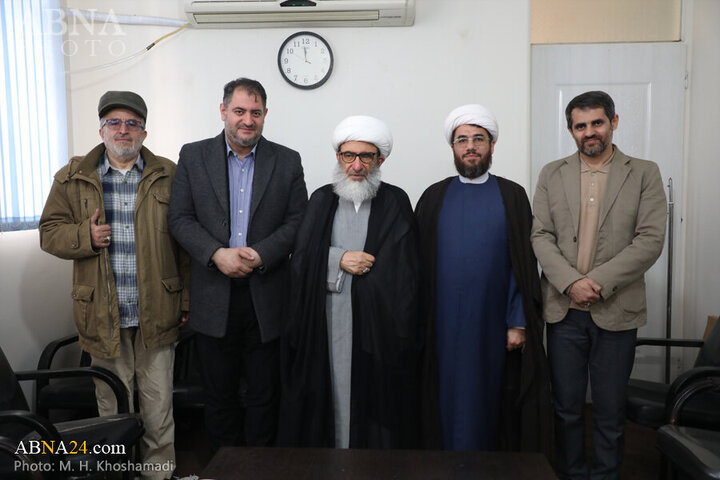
(353, 190)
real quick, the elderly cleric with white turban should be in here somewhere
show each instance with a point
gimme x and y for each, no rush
(363, 128)
(353, 330)
(480, 289)
(362, 143)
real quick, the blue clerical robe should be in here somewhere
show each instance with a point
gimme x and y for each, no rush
(477, 301)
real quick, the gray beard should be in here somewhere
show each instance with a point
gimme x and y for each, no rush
(356, 191)
(122, 154)
(250, 142)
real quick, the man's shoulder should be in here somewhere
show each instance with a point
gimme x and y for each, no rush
(641, 163)
(166, 163)
(323, 192)
(157, 161)
(82, 164)
(395, 199)
(556, 164)
(550, 170)
(506, 182)
(320, 200)
(438, 186)
(63, 175)
(202, 144)
(281, 150)
(394, 191)
(645, 168)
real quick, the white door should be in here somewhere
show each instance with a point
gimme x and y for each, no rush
(647, 83)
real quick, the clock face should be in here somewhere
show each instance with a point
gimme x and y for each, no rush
(305, 60)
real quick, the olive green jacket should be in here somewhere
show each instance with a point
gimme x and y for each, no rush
(162, 267)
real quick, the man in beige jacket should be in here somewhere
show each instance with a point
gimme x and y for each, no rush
(599, 226)
(107, 212)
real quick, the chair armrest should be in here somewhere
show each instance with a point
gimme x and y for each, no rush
(39, 424)
(46, 359)
(688, 385)
(48, 353)
(112, 380)
(46, 430)
(668, 342)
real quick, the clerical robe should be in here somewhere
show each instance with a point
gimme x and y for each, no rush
(477, 301)
(523, 410)
(387, 332)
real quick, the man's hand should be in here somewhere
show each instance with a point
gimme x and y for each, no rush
(184, 318)
(250, 257)
(233, 262)
(356, 262)
(99, 234)
(584, 292)
(515, 338)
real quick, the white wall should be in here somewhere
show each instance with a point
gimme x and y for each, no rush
(458, 51)
(409, 77)
(35, 305)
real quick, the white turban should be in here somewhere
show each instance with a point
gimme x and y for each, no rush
(361, 128)
(471, 114)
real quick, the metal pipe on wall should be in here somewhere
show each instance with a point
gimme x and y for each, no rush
(668, 302)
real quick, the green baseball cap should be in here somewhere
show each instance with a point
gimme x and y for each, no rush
(116, 99)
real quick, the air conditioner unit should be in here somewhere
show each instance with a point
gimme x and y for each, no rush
(300, 13)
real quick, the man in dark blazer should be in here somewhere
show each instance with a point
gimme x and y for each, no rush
(237, 201)
(599, 226)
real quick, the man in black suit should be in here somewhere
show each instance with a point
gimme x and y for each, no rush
(237, 201)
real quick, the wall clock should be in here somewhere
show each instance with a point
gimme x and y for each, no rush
(305, 60)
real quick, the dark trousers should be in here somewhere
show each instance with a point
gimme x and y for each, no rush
(576, 347)
(224, 362)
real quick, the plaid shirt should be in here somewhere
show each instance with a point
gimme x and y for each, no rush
(119, 193)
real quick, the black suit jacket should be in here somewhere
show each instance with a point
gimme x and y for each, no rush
(199, 219)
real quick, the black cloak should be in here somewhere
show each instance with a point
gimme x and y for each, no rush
(526, 414)
(387, 331)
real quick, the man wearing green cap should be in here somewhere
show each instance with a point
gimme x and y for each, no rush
(107, 212)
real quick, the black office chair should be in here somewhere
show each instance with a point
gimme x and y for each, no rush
(691, 452)
(647, 402)
(22, 432)
(75, 397)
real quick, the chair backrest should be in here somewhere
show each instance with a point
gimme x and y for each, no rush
(11, 395)
(709, 355)
(11, 398)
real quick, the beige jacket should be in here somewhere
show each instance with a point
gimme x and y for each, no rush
(65, 233)
(631, 234)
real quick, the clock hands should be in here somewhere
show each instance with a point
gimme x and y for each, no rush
(308, 69)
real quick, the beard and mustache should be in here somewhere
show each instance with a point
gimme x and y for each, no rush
(595, 151)
(356, 190)
(122, 154)
(473, 170)
(231, 133)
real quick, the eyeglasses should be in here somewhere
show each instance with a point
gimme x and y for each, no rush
(463, 141)
(115, 123)
(365, 157)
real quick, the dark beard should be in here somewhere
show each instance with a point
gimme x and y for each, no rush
(595, 151)
(473, 171)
